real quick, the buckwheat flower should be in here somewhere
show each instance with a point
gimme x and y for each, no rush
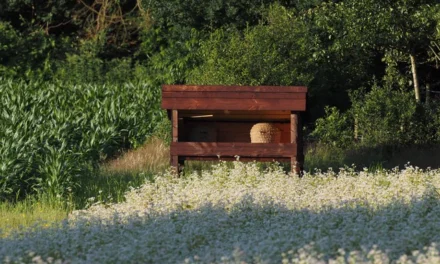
(242, 214)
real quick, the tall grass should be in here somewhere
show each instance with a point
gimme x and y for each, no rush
(152, 156)
(130, 170)
(109, 185)
(33, 211)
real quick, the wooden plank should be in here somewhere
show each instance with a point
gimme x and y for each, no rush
(232, 131)
(259, 116)
(238, 118)
(244, 159)
(233, 104)
(293, 127)
(236, 95)
(208, 149)
(186, 113)
(175, 124)
(236, 88)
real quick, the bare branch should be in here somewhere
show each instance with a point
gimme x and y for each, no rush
(434, 52)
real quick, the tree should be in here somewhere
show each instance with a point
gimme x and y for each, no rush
(270, 53)
(402, 30)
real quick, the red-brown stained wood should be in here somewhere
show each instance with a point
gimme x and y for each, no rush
(174, 160)
(175, 163)
(186, 113)
(293, 127)
(233, 104)
(206, 149)
(296, 138)
(230, 111)
(224, 88)
(231, 131)
(256, 118)
(245, 159)
(236, 112)
(236, 95)
(175, 125)
(222, 115)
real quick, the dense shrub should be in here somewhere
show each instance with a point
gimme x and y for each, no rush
(335, 128)
(385, 116)
(270, 53)
(52, 133)
(24, 54)
(381, 117)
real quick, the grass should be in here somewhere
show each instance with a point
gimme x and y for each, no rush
(323, 157)
(152, 156)
(115, 178)
(24, 214)
(130, 170)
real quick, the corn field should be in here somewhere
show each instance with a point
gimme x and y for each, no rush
(52, 134)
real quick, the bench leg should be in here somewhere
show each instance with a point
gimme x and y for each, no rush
(175, 164)
(294, 165)
(296, 161)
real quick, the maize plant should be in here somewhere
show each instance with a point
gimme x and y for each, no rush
(51, 134)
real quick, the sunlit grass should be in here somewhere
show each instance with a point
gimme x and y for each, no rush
(153, 156)
(114, 179)
(40, 211)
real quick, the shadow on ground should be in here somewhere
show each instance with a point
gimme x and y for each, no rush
(373, 158)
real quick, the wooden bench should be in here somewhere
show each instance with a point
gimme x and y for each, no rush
(222, 117)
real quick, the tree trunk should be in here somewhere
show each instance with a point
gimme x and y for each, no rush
(415, 78)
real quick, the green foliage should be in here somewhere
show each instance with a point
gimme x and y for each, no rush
(54, 133)
(24, 54)
(393, 30)
(170, 45)
(80, 69)
(324, 156)
(268, 54)
(385, 116)
(85, 64)
(335, 128)
(203, 15)
(382, 117)
(172, 62)
(333, 47)
(108, 187)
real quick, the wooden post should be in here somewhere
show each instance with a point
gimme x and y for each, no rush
(296, 137)
(415, 77)
(175, 137)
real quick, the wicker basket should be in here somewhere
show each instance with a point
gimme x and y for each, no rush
(203, 134)
(265, 133)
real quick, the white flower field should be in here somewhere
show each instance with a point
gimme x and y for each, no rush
(243, 215)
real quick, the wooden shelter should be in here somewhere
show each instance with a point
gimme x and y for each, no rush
(214, 122)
